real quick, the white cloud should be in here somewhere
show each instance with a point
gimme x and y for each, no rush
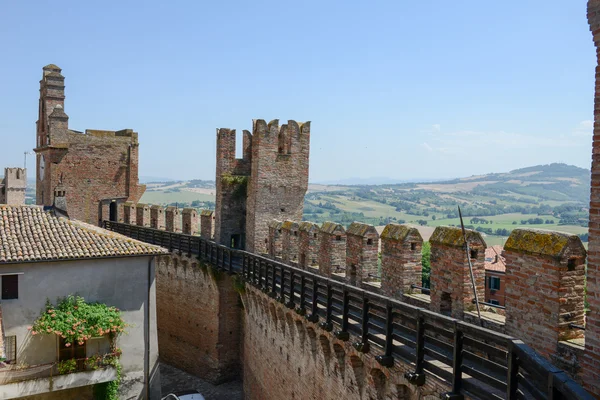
(436, 127)
(427, 146)
(585, 128)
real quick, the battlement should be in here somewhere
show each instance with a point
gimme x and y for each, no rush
(13, 186)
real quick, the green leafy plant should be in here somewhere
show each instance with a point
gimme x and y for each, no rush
(75, 320)
(67, 366)
(110, 390)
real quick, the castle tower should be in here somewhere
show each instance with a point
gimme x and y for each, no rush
(279, 177)
(99, 168)
(231, 189)
(269, 182)
(12, 188)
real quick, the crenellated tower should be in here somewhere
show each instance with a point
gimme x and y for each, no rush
(268, 183)
(13, 186)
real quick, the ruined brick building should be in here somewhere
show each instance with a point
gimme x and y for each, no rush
(268, 182)
(13, 186)
(98, 168)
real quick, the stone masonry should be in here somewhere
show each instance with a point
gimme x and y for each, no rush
(13, 186)
(545, 278)
(332, 248)
(401, 267)
(451, 288)
(290, 240)
(309, 244)
(96, 167)
(362, 247)
(592, 333)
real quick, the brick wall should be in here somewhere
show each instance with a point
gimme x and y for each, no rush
(290, 241)
(13, 186)
(206, 224)
(362, 247)
(142, 214)
(274, 241)
(332, 248)
(592, 333)
(279, 177)
(231, 188)
(286, 357)
(309, 244)
(173, 219)
(498, 295)
(94, 167)
(401, 267)
(157, 217)
(451, 287)
(189, 221)
(198, 319)
(545, 274)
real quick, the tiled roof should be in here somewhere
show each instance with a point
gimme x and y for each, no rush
(491, 264)
(27, 233)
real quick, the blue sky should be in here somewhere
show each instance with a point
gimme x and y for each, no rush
(401, 89)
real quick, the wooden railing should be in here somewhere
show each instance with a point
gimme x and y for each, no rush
(474, 361)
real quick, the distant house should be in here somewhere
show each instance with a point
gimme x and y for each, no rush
(494, 275)
(44, 258)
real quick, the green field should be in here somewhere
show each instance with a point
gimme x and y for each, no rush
(167, 197)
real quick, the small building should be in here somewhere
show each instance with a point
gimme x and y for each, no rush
(45, 258)
(495, 268)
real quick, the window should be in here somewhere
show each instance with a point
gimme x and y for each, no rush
(413, 246)
(473, 254)
(494, 283)
(314, 235)
(295, 233)
(72, 351)
(495, 302)
(338, 238)
(10, 346)
(10, 287)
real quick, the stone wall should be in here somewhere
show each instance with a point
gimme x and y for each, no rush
(189, 221)
(309, 244)
(362, 247)
(290, 240)
(94, 168)
(199, 319)
(332, 248)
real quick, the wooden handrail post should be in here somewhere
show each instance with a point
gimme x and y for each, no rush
(387, 360)
(343, 333)
(314, 306)
(327, 324)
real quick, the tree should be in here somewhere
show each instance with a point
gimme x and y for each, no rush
(426, 264)
(433, 217)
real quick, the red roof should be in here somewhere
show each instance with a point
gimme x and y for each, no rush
(494, 260)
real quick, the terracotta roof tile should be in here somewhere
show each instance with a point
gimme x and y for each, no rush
(493, 264)
(27, 233)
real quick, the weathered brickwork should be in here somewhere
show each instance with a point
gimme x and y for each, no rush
(290, 241)
(157, 217)
(332, 248)
(592, 333)
(129, 213)
(451, 287)
(287, 357)
(545, 277)
(173, 219)
(142, 214)
(96, 167)
(401, 267)
(13, 186)
(274, 242)
(231, 188)
(309, 244)
(268, 182)
(198, 319)
(362, 247)
(206, 224)
(189, 221)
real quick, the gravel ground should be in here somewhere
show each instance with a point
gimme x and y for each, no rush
(174, 380)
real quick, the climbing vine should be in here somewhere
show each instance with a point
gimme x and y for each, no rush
(239, 181)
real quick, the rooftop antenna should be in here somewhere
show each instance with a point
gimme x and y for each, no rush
(468, 252)
(27, 153)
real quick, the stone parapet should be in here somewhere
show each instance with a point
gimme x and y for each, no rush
(401, 267)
